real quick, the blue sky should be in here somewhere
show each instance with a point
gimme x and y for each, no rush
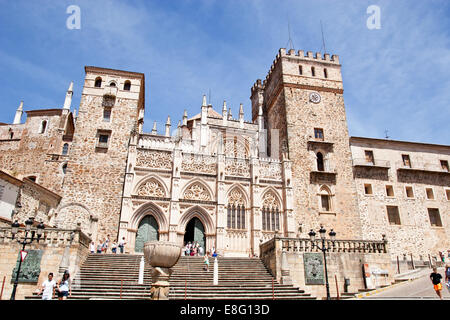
(395, 78)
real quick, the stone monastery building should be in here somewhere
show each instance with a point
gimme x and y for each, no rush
(221, 180)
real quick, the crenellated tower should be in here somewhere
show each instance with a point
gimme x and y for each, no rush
(304, 115)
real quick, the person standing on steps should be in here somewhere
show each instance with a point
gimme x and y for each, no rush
(122, 244)
(436, 281)
(92, 247)
(99, 247)
(114, 247)
(64, 287)
(206, 262)
(48, 288)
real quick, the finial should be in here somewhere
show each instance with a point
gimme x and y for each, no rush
(185, 113)
(70, 86)
(20, 106)
(185, 118)
(230, 116)
(224, 108)
(154, 131)
(241, 109)
(18, 115)
(204, 101)
(168, 121)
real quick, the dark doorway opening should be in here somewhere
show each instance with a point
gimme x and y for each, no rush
(195, 232)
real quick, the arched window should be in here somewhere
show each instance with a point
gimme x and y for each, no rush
(313, 71)
(112, 84)
(320, 164)
(325, 199)
(65, 149)
(236, 210)
(43, 126)
(325, 73)
(127, 85)
(270, 213)
(98, 82)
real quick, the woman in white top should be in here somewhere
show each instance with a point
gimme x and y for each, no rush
(64, 288)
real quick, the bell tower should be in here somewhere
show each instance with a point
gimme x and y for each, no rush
(304, 113)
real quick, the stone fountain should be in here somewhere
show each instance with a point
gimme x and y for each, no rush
(162, 256)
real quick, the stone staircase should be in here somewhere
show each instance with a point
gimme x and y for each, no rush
(115, 276)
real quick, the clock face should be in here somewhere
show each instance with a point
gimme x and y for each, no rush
(314, 97)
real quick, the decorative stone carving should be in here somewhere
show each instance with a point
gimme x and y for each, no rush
(236, 197)
(270, 200)
(199, 164)
(152, 189)
(237, 167)
(270, 170)
(197, 192)
(154, 159)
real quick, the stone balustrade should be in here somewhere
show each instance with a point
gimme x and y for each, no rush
(374, 163)
(306, 245)
(422, 166)
(50, 237)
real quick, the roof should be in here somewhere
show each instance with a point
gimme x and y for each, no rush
(389, 141)
(113, 71)
(211, 114)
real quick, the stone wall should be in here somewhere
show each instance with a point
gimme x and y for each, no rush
(53, 244)
(345, 261)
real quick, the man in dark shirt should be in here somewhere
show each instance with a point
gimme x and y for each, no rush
(436, 280)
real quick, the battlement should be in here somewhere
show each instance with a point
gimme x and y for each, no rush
(299, 55)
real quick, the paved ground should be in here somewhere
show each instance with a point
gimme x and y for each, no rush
(419, 289)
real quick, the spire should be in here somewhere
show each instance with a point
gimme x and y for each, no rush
(224, 108)
(241, 111)
(69, 95)
(154, 130)
(230, 116)
(224, 113)
(185, 118)
(19, 112)
(167, 133)
(204, 101)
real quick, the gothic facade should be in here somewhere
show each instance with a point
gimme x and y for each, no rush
(227, 182)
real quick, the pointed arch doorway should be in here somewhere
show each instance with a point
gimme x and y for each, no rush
(195, 231)
(147, 231)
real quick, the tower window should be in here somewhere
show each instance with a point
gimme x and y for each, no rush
(430, 194)
(65, 149)
(103, 139)
(369, 156)
(313, 71)
(389, 191)
(320, 166)
(43, 126)
(98, 82)
(325, 73)
(300, 70)
(444, 165)
(64, 168)
(127, 85)
(409, 192)
(107, 114)
(406, 160)
(393, 215)
(318, 134)
(435, 217)
(368, 188)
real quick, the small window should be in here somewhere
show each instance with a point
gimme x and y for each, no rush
(300, 70)
(389, 191)
(447, 193)
(430, 194)
(393, 215)
(325, 201)
(406, 160)
(369, 156)
(103, 139)
(313, 71)
(409, 192)
(65, 149)
(107, 114)
(98, 82)
(325, 72)
(64, 168)
(320, 166)
(318, 134)
(444, 165)
(11, 135)
(368, 189)
(112, 84)
(435, 217)
(43, 126)
(127, 85)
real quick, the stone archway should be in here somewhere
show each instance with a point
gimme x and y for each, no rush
(195, 232)
(148, 230)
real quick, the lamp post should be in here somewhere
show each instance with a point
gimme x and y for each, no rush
(14, 230)
(324, 249)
